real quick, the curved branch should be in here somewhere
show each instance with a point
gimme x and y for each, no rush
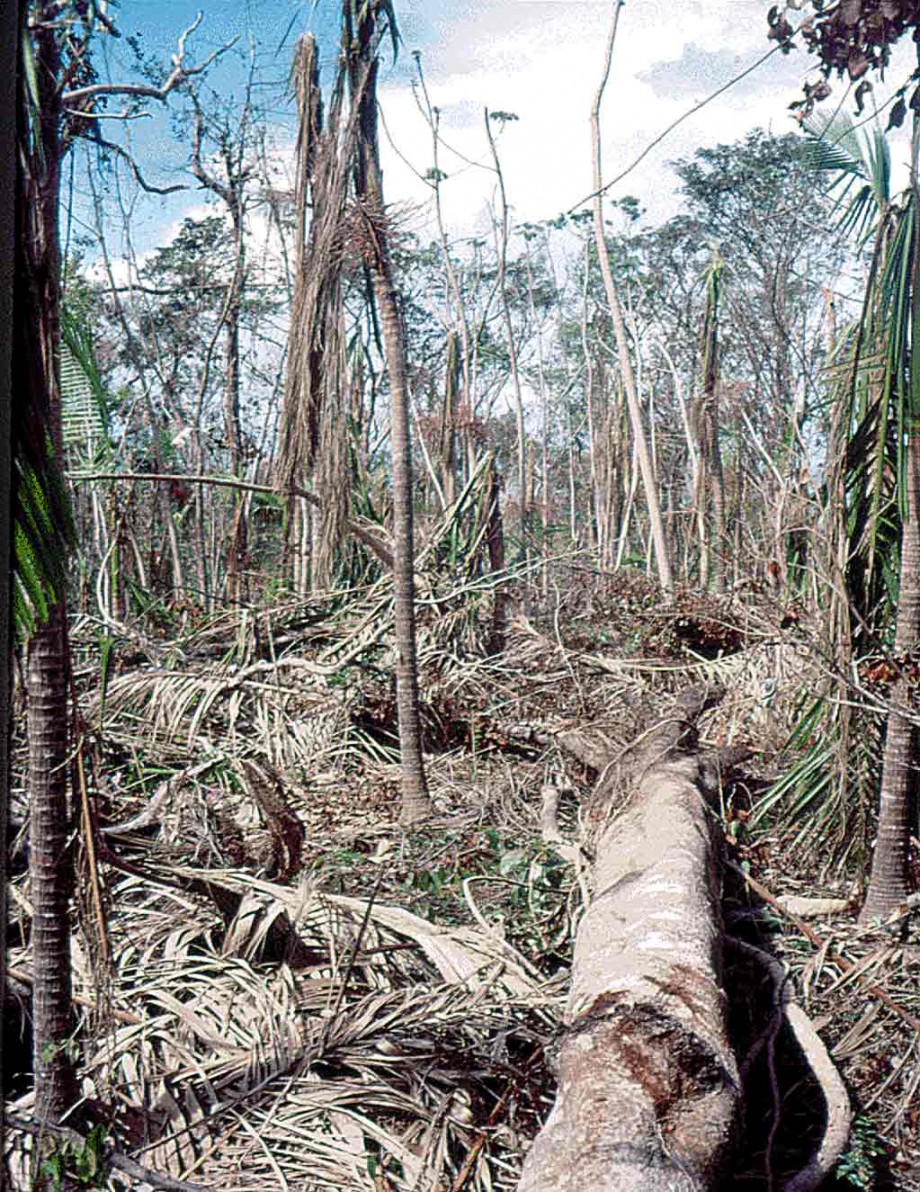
(179, 73)
(111, 147)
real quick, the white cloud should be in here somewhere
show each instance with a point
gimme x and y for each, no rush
(542, 59)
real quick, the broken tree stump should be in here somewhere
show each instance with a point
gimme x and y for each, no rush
(648, 1084)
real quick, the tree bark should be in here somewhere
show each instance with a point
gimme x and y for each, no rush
(646, 468)
(38, 324)
(502, 232)
(889, 880)
(362, 64)
(50, 871)
(8, 54)
(648, 1084)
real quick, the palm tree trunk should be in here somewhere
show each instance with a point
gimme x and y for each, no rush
(361, 49)
(416, 804)
(50, 870)
(889, 879)
(37, 384)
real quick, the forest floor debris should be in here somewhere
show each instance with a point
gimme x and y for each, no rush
(382, 1015)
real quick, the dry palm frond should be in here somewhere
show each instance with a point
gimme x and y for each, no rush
(374, 1049)
(315, 411)
(283, 709)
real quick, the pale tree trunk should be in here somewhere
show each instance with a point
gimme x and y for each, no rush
(448, 430)
(362, 65)
(836, 551)
(648, 1084)
(416, 804)
(644, 459)
(501, 228)
(231, 192)
(544, 417)
(239, 536)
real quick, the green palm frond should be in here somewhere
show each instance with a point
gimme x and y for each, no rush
(42, 524)
(84, 401)
(42, 527)
(879, 395)
(860, 169)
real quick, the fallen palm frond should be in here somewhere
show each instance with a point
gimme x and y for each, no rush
(376, 1045)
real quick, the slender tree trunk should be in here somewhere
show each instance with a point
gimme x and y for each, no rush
(362, 64)
(889, 879)
(236, 557)
(50, 871)
(496, 539)
(448, 435)
(416, 804)
(9, 33)
(643, 455)
(501, 247)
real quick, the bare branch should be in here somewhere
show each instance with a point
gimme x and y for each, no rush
(374, 544)
(111, 147)
(179, 74)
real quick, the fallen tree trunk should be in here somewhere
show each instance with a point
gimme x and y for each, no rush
(648, 1083)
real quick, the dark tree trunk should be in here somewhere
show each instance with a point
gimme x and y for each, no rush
(8, 53)
(36, 385)
(495, 536)
(50, 870)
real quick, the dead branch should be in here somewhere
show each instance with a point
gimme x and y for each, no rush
(180, 73)
(120, 151)
(370, 541)
(812, 936)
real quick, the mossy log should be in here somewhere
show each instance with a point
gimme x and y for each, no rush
(648, 1084)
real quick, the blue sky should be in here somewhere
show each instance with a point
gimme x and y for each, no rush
(537, 58)
(267, 29)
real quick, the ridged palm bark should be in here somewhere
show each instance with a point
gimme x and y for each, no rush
(36, 387)
(361, 34)
(50, 870)
(889, 877)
